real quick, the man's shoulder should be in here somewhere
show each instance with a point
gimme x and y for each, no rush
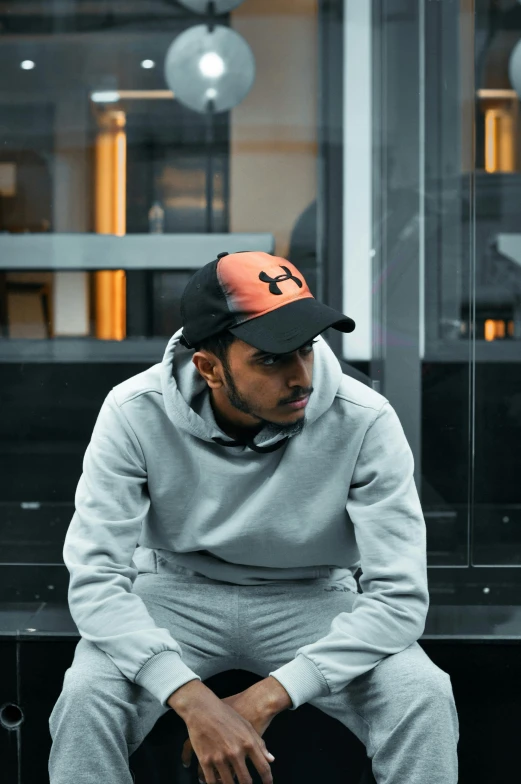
(357, 395)
(148, 382)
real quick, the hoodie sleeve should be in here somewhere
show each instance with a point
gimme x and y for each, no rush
(390, 614)
(111, 502)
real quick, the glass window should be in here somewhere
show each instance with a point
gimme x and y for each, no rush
(96, 145)
(432, 263)
(113, 190)
(376, 145)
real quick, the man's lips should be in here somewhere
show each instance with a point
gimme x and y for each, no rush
(301, 400)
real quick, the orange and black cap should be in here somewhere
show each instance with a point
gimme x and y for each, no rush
(264, 300)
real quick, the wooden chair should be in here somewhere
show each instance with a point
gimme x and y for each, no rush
(40, 290)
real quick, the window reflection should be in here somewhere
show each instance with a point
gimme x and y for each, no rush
(95, 141)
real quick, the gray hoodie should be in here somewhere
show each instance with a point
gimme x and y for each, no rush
(161, 477)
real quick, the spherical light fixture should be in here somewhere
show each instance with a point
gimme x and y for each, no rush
(211, 65)
(27, 65)
(147, 64)
(514, 68)
(210, 68)
(204, 64)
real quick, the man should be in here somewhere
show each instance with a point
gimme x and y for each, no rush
(219, 524)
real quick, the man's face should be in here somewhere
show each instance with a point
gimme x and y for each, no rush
(252, 388)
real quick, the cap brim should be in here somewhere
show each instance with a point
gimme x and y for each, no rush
(291, 326)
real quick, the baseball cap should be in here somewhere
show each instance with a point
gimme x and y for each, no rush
(262, 299)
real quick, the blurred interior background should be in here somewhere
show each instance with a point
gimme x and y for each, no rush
(374, 143)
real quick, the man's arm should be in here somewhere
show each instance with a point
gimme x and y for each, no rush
(111, 503)
(269, 696)
(390, 614)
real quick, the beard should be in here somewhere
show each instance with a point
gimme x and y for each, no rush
(241, 404)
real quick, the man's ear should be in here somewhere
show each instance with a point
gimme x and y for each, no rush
(206, 369)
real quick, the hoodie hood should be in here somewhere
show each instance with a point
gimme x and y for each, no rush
(187, 396)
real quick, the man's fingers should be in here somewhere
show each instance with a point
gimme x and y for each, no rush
(240, 772)
(186, 754)
(200, 775)
(237, 772)
(257, 756)
(262, 745)
(224, 773)
(216, 775)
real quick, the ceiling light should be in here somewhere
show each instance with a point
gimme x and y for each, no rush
(105, 96)
(209, 70)
(27, 65)
(147, 64)
(211, 65)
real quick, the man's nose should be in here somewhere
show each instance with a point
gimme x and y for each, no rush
(300, 374)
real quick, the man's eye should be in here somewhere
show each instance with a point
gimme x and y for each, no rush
(274, 359)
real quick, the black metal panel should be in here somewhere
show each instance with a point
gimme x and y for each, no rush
(446, 272)
(52, 411)
(9, 713)
(41, 669)
(397, 216)
(486, 680)
(139, 303)
(331, 161)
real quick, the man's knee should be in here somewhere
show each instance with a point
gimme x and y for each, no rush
(415, 674)
(435, 684)
(443, 695)
(77, 692)
(430, 686)
(85, 690)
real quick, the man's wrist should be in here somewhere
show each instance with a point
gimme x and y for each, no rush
(277, 698)
(183, 699)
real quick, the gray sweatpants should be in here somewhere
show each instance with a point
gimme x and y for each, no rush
(402, 710)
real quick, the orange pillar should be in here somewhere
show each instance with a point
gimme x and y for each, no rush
(500, 136)
(110, 218)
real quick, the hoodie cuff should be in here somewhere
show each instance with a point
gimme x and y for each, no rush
(302, 680)
(163, 674)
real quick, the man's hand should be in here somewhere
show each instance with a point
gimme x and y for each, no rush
(221, 738)
(259, 705)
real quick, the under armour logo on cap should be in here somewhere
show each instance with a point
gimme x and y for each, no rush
(228, 293)
(274, 289)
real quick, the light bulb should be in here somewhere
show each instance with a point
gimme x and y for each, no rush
(105, 96)
(211, 65)
(147, 64)
(27, 65)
